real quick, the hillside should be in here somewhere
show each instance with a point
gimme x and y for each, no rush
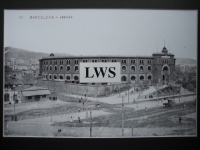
(185, 61)
(21, 54)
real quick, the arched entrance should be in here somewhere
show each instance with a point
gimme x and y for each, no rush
(165, 74)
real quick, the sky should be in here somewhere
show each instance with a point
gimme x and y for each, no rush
(103, 31)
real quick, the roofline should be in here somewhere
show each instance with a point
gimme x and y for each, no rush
(161, 54)
(97, 56)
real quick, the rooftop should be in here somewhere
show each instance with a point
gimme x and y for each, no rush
(96, 56)
(35, 88)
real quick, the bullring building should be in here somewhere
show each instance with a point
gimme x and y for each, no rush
(145, 70)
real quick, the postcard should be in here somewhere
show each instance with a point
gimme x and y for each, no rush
(100, 73)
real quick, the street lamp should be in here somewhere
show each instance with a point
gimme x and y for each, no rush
(122, 116)
(14, 98)
(180, 92)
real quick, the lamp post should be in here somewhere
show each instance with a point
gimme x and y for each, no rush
(122, 116)
(90, 123)
(158, 93)
(180, 92)
(77, 91)
(14, 98)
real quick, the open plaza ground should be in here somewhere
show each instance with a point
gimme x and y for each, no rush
(44, 118)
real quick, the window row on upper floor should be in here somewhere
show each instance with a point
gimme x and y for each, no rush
(76, 61)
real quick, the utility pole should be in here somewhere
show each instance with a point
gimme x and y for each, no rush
(122, 116)
(132, 130)
(128, 95)
(158, 94)
(90, 123)
(180, 93)
(128, 91)
(14, 98)
(77, 91)
(51, 114)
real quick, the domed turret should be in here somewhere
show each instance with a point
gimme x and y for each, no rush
(51, 55)
(164, 50)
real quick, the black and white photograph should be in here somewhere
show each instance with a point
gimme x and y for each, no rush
(100, 73)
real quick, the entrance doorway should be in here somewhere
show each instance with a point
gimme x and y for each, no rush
(165, 75)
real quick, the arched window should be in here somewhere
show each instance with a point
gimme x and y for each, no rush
(149, 68)
(55, 76)
(61, 68)
(149, 77)
(133, 68)
(68, 77)
(76, 68)
(123, 78)
(141, 77)
(165, 68)
(61, 77)
(123, 68)
(68, 61)
(47, 67)
(50, 68)
(76, 78)
(61, 61)
(68, 68)
(141, 68)
(55, 67)
(133, 78)
(50, 77)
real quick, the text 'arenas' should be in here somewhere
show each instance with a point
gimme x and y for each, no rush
(145, 70)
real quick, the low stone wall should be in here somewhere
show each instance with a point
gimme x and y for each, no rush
(81, 89)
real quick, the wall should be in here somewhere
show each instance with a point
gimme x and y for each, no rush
(89, 90)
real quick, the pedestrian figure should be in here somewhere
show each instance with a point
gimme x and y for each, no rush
(180, 119)
(81, 98)
(59, 129)
(98, 105)
(79, 109)
(108, 123)
(145, 97)
(145, 109)
(83, 103)
(79, 101)
(79, 120)
(71, 120)
(183, 107)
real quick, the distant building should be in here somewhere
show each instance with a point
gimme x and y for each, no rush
(9, 96)
(34, 93)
